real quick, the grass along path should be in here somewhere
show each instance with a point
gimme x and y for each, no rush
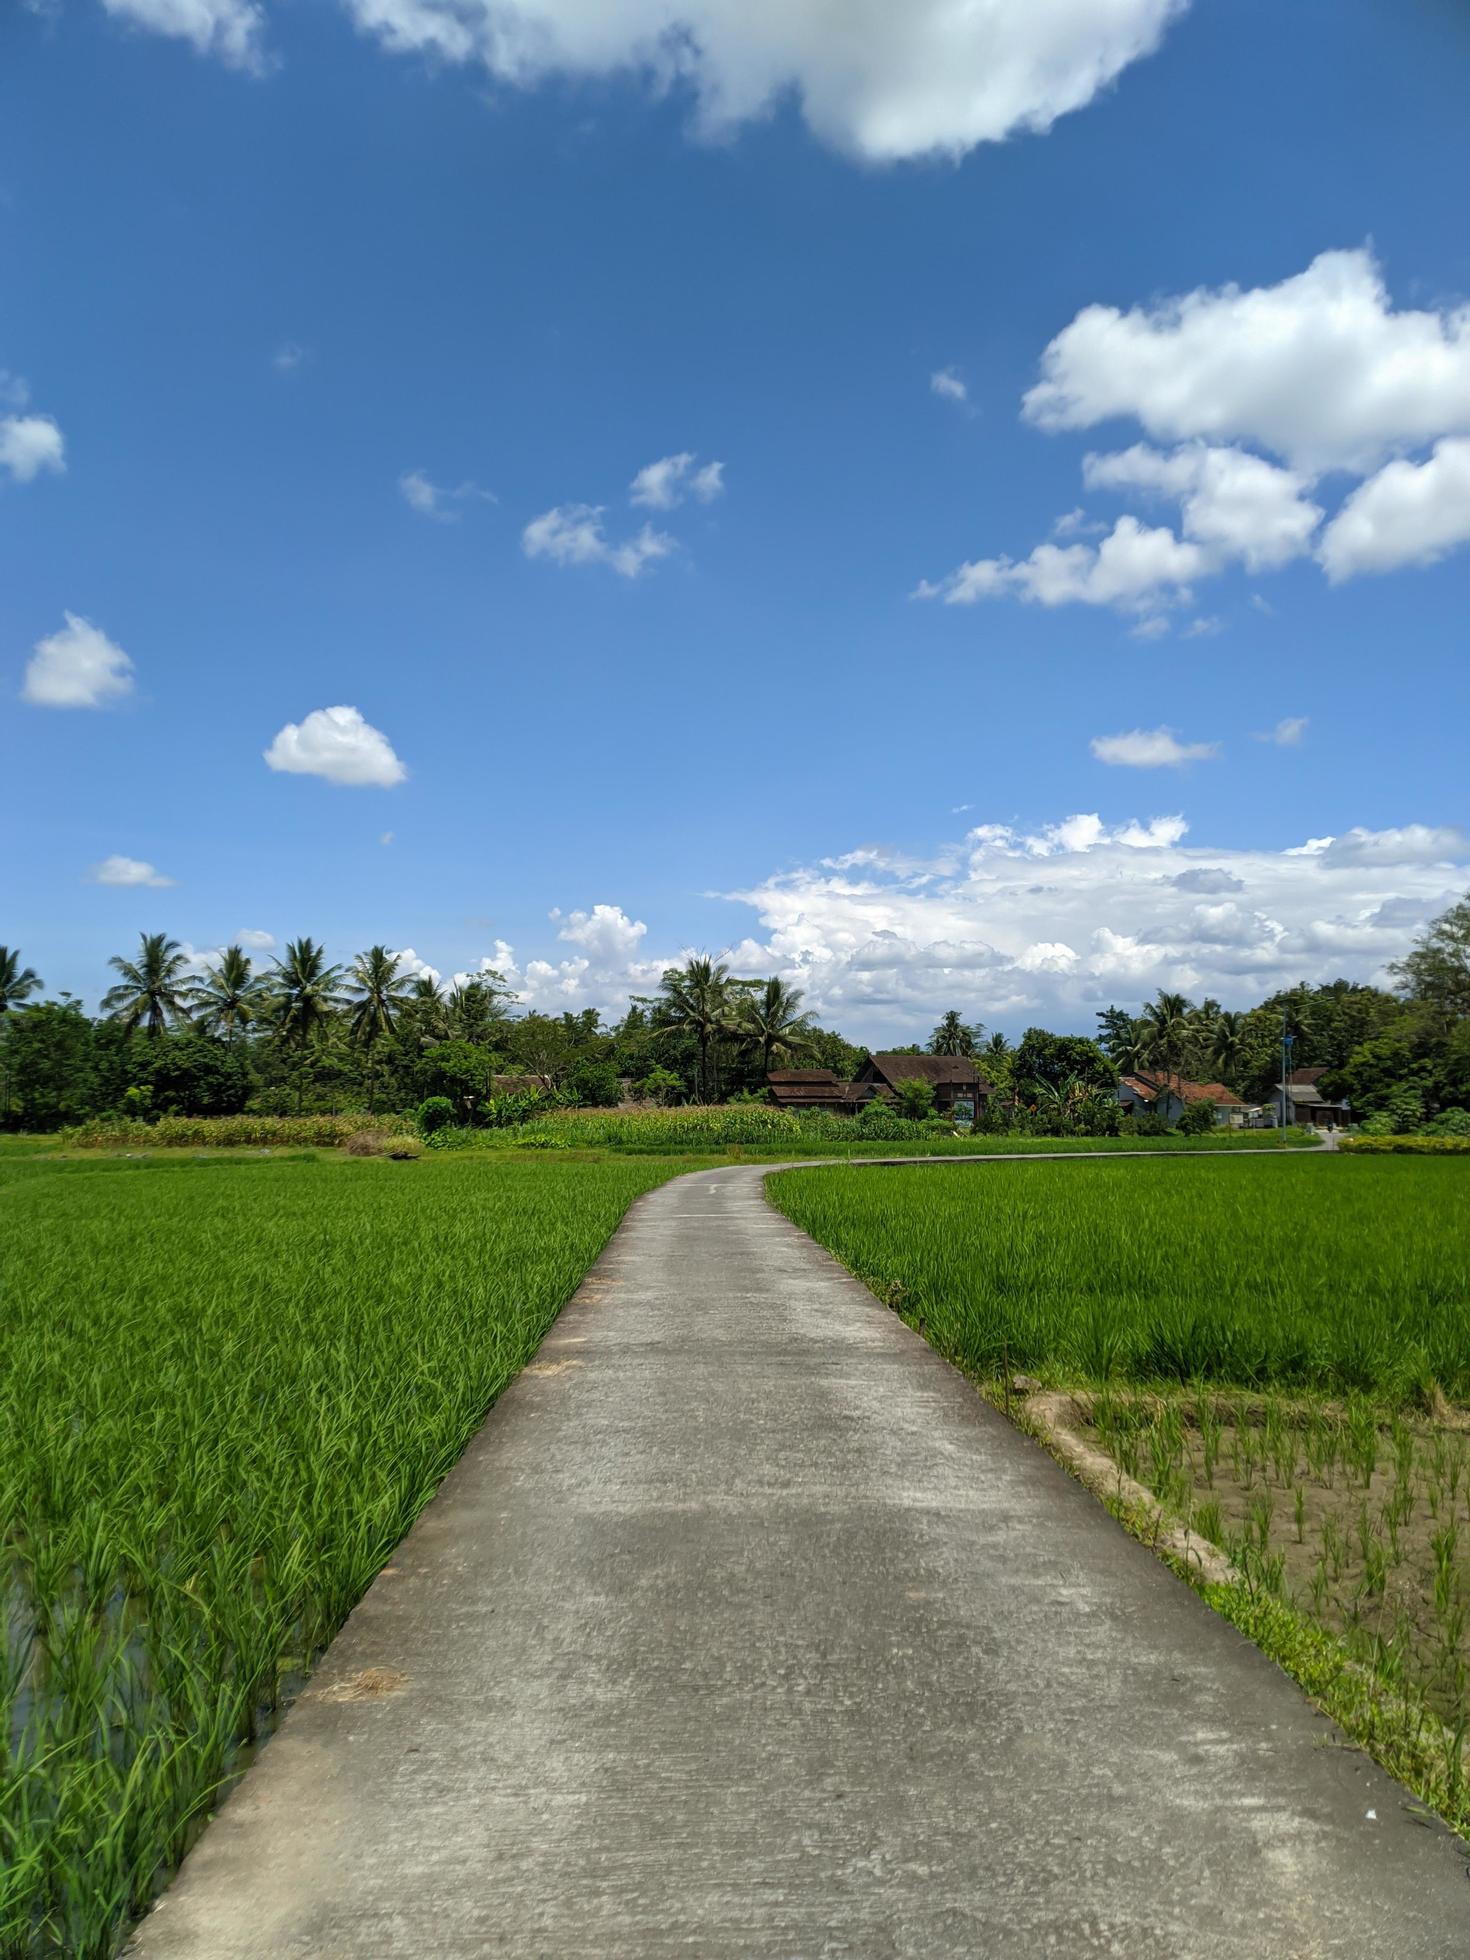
(1317, 1271)
(226, 1390)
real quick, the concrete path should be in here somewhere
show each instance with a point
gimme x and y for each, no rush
(745, 1628)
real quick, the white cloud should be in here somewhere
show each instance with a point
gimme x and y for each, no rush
(255, 941)
(1151, 748)
(1047, 927)
(410, 963)
(663, 485)
(386, 838)
(1287, 733)
(1408, 514)
(572, 534)
(1320, 369)
(879, 81)
(30, 444)
(1414, 843)
(602, 974)
(126, 871)
(431, 499)
(1238, 504)
(339, 746)
(945, 382)
(606, 933)
(231, 30)
(79, 667)
(288, 357)
(1134, 568)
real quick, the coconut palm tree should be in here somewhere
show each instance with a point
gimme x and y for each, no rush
(228, 996)
(772, 1022)
(953, 1036)
(153, 989)
(1227, 1044)
(696, 1001)
(1166, 1031)
(17, 982)
(424, 1009)
(377, 985)
(305, 992)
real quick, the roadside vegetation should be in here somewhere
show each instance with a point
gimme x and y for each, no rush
(226, 1390)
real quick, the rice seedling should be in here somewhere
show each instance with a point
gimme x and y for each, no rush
(225, 1392)
(1178, 1272)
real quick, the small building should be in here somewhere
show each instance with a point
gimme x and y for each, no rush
(809, 1088)
(953, 1078)
(1166, 1095)
(1306, 1102)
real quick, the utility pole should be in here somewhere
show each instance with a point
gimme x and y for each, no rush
(1286, 1041)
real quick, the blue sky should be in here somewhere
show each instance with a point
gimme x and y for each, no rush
(328, 326)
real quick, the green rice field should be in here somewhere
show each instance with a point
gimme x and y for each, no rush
(226, 1389)
(1322, 1272)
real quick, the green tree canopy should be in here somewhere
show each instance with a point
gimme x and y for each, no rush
(152, 991)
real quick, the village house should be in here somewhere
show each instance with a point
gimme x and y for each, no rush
(1306, 1102)
(1158, 1094)
(954, 1079)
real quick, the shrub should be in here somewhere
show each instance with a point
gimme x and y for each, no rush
(1196, 1118)
(366, 1143)
(1449, 1123)
(403, 1149)
(1365, 1145)
(433, 1113)
(596, 1085)
(915, 1098)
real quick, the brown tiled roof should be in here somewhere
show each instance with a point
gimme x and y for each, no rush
(929, 1068)
(783, 1076)
(1149, 1087)
(1305, 1078)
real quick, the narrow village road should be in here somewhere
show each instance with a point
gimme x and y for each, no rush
(745, 1627)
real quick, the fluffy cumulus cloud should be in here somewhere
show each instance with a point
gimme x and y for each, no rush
(79, 667)
(1151, 748)
(1320, 371)
(1232, 503)
(30, 444)
(1408, 514)
(948, 385)
(608, 965)
(665, 484)
(256, 941)
(118, 870)
(1016, 927)
(873, 79)
(231, 30)
(338, 745)
(574, 534)
(1135, 567)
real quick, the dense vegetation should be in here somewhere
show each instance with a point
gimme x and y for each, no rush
(226, 1389)
(1317, 1271)
(306, 1037)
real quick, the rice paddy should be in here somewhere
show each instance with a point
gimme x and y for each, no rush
(1312, 1271)
(226, 1389)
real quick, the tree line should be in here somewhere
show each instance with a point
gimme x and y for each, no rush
(303, 1034)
